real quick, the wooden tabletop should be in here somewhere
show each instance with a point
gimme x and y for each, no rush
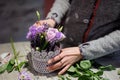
(24, 49)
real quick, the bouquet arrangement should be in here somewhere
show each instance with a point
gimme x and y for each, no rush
(43, 37)
(45, 44)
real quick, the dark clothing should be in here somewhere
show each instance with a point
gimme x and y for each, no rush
(106, 20)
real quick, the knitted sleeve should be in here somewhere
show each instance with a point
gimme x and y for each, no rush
(102, 46)
(58, 10)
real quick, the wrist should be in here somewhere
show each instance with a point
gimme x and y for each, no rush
(80, 52)
(82, 48)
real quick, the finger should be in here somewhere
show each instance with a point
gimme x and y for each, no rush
(64, 69)
(38, 23)
(55, 59)
(55, 66)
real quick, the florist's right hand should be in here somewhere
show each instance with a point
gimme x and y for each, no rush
(50, 22)
(65, 59)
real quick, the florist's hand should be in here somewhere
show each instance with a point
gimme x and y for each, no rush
(65, 59)
(50, 22)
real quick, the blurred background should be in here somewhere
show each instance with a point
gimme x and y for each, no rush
(16, 16)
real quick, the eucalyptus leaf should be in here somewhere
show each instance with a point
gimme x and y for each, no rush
(85, 64)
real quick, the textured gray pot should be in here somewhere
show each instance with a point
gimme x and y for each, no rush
(40, 59)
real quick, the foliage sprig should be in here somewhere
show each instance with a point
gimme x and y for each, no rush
(83, 71)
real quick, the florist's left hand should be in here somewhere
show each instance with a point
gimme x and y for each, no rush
(65, 59)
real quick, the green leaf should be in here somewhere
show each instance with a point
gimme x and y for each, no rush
(83, 78)
(85, 64)
(99, 73)
(78, 73)
(78, 66)
(96, 78)
(12, 61)
(89, 72)
(3, 68)
(21, 64)
(71, 69)
(109, 67)
(10, 67)
(73, 74)
(61, 77)
(67, 78)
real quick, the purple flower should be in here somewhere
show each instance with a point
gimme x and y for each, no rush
(24, 76)
(41, 29)
(34, 30)
(42, 36)
(60, 36)
(50, 34)
(53, 35)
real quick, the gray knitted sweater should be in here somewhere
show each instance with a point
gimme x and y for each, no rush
(94, 47)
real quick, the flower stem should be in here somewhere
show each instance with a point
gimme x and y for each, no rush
(44, 45)
(15, 53)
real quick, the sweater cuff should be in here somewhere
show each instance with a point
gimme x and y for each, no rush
(54, 16)
(83, 50)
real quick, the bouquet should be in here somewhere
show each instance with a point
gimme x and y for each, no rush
(45, 44)
(43, 37)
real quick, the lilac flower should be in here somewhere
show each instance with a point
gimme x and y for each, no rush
(60, 36)
(50, 34)
(32, 33)
(24, 76)
(53, 35)
(42, 28)
(34, 30)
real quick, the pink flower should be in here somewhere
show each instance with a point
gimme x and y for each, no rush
(53, 35)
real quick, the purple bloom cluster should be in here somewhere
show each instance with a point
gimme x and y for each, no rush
(53, 35)
(42, 34)
(35, 30)
(24, 76)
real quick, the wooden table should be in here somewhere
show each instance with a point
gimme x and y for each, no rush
(24, 48)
